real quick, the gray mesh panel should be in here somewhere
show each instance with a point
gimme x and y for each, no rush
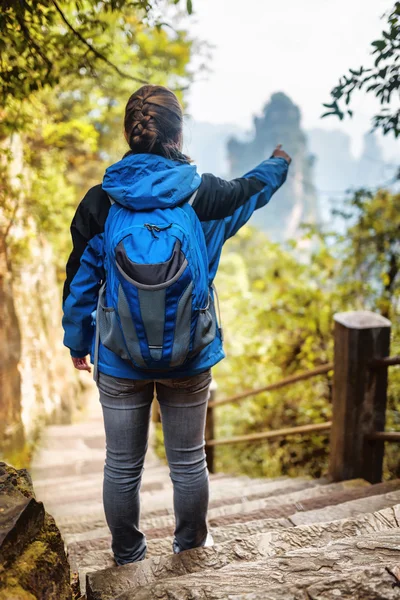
(206, 328)
(152, 308)
(128, 328)
(181, 343)
(109, 330)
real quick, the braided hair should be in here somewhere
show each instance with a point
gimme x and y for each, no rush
(153, 123)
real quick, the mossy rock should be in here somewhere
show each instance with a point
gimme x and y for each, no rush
(14, 482)
(21, 521)
(38, 569)
(41, 572)
(16, 593)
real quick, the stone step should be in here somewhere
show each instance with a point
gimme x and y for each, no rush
(79, 467)
(100, 539)
(89, 428)
(84, 524)
(280, 539)
(62, 498)
(258, 488)
(297, 568)
(88, 488)
(60, 504)
(110, 583)
(313, 503)
(286, 503)
(76, 518)
(160, 502)
(348, 509)
(371, 583)
(306, 489)
(65, 481)
(95, 554)
(89, 526)
(65, 439)
(157, 473)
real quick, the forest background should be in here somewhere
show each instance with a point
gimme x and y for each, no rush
(66, 71)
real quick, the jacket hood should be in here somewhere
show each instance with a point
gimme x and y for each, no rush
(149, 181)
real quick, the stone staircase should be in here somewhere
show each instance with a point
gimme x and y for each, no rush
(286, 539)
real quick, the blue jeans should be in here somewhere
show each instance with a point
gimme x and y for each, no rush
(126, 407)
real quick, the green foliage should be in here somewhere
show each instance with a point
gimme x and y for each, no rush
(42, 41)
(382, 80)
(70, 127)
(371, 248)
(278, 307)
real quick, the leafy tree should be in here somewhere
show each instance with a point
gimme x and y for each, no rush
(382, 80)
(41, 41)
(278, 307)
(60, 126)
(371, 248)
(71, 127)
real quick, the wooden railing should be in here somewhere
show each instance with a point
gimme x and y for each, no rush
(360, 374)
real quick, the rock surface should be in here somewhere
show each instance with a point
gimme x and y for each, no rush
(298, 569)
(110, 583)
(33, 564)
(38, 384)
(374, 583)
(279, 539)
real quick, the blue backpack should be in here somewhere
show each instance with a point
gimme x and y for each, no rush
(156, 308)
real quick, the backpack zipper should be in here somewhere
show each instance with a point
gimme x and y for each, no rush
(153, 228)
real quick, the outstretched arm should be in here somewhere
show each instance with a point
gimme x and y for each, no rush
(259, 185)
(236, 200)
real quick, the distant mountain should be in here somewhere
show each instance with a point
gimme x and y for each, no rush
(334, 162)
(330, 167)
(337, 170)
(296, 201)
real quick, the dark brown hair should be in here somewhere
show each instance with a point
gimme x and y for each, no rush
(153, 122)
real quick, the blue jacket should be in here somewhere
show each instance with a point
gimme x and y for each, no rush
(143, 182)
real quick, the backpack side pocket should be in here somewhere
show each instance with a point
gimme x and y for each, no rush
(206, 327)
(108, 327)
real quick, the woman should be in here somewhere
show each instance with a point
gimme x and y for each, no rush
(146, 248)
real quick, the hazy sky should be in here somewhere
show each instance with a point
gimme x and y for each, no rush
(300, 47)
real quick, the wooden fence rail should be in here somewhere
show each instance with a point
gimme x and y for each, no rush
(388, 361)
(360, 374)
(275, 386)
(384, 436)
(272, 435)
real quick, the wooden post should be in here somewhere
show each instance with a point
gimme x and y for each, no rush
(209, 432)
(359, 395)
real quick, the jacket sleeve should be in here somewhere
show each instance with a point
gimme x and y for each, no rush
(82, 299)
(85, 273)
(235, 201)
(272, 174)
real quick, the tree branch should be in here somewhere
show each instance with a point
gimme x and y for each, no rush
(30, 40)
(92, 49)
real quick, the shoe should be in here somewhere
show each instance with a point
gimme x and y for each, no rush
(209, 541)
(207, 544)
(175, 547)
